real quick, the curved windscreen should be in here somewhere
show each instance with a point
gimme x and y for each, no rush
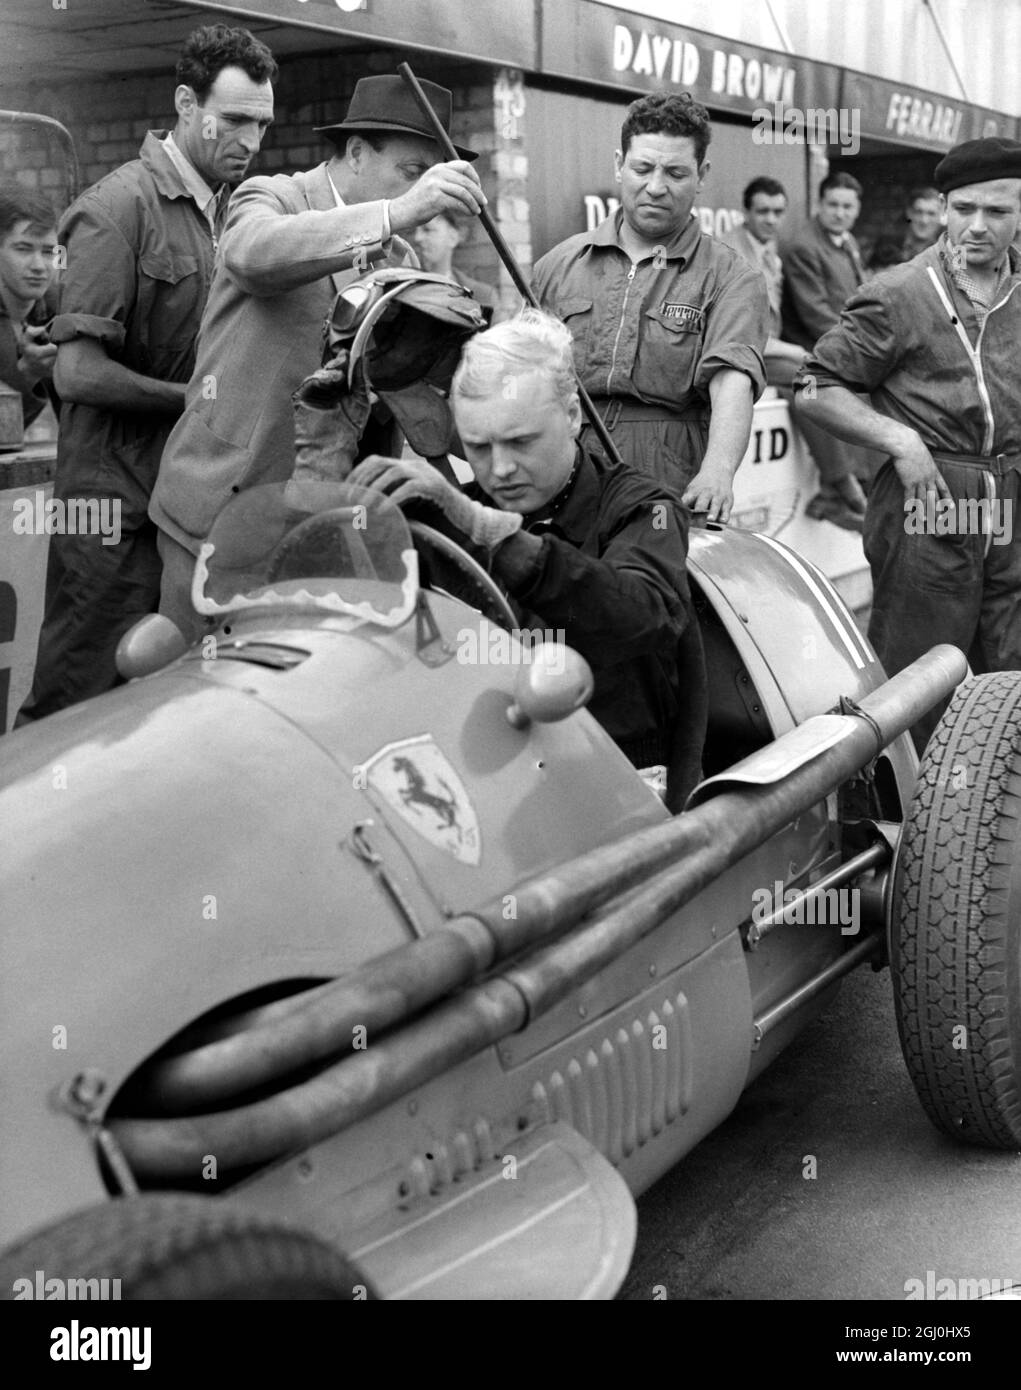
(311, 545)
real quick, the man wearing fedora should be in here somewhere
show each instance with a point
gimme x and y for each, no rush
(933, 344)
(291, 242)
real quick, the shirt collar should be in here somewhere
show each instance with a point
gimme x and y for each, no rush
(1010, 265)
(680, 247)
(760, 249)
(574, 509)
(192, 181)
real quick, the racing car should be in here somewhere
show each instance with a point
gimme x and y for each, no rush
(347, 956)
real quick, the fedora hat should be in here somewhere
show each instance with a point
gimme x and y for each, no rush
(387, 103)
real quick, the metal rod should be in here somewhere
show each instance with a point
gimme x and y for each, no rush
(849, 961)
(876, 854)
(504, 252)
(941, 35)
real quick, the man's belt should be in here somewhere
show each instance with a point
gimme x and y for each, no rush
(623, 410)
(997, 464)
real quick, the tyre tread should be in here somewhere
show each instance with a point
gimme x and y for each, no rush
(955, 936)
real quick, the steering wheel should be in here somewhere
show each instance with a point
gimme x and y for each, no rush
(471, 583)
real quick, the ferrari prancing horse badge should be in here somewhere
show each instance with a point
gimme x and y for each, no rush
(415, 778)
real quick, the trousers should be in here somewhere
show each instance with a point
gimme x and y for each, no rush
(945, 575)
(94, 593)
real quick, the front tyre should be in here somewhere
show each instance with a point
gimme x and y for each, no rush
(955, 950)
(171, 1247)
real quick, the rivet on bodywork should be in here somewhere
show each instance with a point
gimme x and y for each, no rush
(86, 1088)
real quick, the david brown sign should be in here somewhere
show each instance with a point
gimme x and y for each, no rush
(598, 43)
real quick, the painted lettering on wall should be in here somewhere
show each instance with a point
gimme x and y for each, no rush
(924, 120)
(649, 54)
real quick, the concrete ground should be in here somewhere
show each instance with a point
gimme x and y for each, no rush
(891, 1199)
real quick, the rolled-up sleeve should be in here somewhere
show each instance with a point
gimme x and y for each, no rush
(99, 283)
(629, 600)
(737, 327)
(860, 350)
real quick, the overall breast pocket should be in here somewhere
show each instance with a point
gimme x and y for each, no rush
(576, 312)
(670, 348)
(171, 292)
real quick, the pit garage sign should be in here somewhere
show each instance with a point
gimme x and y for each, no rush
(416, 779)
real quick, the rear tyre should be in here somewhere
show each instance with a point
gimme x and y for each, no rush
(172, 1247)
(955, 950)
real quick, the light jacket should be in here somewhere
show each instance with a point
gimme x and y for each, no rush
(286, 250)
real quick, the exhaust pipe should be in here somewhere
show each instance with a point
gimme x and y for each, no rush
(684, 856)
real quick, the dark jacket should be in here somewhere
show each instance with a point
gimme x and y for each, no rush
(34, 395)
(139, 263)
(612, 575)
(900, 341)
(818, 280)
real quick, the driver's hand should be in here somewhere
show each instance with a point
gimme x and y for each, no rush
(405, 479)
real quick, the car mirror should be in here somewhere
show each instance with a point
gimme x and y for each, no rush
(555, 683)
(152, 643)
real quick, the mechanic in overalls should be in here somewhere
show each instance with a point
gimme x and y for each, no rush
(935, 343)
(669, 325)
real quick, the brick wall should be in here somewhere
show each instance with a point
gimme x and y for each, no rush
(108, 120)
(886, 180)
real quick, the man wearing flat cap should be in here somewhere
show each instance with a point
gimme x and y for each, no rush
(934, 344)
(291, 242)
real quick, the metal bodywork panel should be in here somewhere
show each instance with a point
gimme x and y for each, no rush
(210, 807)
(802, 649)
(639, 1085)
(545, 1218)
(226, 827)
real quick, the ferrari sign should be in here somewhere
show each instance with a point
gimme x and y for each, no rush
(415, 778)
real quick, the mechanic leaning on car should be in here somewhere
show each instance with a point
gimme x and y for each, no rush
(669, 325)
(595, 549)
(291, 242)
(935, 344)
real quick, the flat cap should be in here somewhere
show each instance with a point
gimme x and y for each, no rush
(979, 161)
